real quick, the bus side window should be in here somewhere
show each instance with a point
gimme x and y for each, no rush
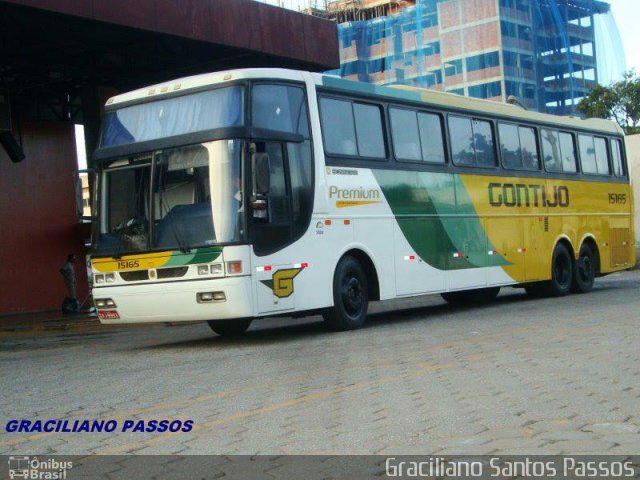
(510, 146)
(462, 144)
(484, 144)
(602, 156)
(281, 108)
(369, 130)
(404, 130)
(587, 154)
(338, 128)
(568, 149)
(616, 151)
(431, 137)
(551, 150)
(472, 142)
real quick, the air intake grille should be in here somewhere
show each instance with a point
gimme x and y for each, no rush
(172, 272)
(135, 276)
(620, 246)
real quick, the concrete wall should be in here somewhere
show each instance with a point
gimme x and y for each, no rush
(38, 224)
(633, 159)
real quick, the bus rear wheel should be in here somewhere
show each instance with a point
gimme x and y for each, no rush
(480, 295)
(561, 273)
(350, 296)
(230, 328)
(584, 270)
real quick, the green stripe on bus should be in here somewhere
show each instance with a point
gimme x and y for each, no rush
(436, 216)
(200, 255)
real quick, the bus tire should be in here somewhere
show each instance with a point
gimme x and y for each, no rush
(350, 296)
(230, 328)
(561, 273)
(584, 270)
(480, 295)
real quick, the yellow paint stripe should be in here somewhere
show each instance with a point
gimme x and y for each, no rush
(354, 203)
(131, 262)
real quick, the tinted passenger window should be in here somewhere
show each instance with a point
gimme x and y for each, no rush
(406, 138)
(281, 108)
(587, 154)
(369, 130)
(594, 155)
(568, 150)
(616, 150)
(551, 150)
(431, 137)
(519, 147)
(417, 136)
(510, 146)
(483, 141)
(602, 156)
(338, 130)
(559, 151)
(461, 134)
(472, 142)
(529, 146)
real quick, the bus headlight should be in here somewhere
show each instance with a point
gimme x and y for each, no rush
(216, 269)
(104, 303)
(99, 278)
(209, 297)
(203, 269)
(110, 277)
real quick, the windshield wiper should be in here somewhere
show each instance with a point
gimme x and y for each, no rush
(181, 245)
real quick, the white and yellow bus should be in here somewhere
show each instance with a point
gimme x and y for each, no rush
(251, 193)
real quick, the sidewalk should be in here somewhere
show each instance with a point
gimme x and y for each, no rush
(52, 320)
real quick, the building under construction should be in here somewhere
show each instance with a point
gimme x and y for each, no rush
(543, 52)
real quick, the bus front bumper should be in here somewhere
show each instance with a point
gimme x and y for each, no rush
(176, 301)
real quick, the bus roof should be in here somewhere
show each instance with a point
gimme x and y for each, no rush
(203, 80)
(399, 92)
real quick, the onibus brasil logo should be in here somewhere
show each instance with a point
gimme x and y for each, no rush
(32, 468)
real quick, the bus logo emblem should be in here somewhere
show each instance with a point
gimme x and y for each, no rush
(282, 282)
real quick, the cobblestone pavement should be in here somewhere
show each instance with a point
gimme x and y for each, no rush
(519, 375)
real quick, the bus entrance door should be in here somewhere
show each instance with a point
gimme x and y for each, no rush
(275, 288)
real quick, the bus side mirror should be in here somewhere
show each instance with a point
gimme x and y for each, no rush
(261, 173)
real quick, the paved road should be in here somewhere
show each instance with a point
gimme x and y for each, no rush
(520, 375)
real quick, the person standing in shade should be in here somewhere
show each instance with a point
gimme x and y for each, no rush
(69, 274)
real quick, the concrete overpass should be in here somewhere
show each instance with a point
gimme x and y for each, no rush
(61, 59)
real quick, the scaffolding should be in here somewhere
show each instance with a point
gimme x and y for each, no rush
(544, 52)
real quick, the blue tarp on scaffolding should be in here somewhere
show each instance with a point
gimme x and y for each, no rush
(548, 53)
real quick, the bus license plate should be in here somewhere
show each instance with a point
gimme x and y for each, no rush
(108, 315)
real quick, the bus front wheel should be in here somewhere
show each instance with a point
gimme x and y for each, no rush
(229, 328)
(561, 273)
(350, 296)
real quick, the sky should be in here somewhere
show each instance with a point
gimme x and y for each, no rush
(627, 14)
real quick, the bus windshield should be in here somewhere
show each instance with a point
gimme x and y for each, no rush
(192, 113)
(175, 199)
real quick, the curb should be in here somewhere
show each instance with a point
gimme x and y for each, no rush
(57, 324)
